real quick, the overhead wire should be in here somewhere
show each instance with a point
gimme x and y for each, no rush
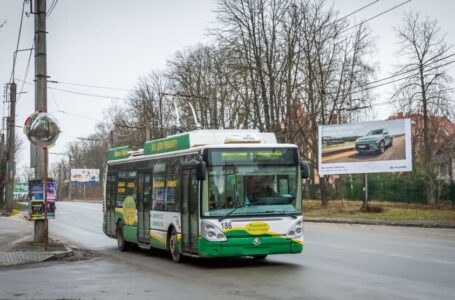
(26, 71)
(367, 87)
(356, 11)
(87, 94)
(18, 42)
(94, 86)
(51, 8)
(78, 93)
(376, 16)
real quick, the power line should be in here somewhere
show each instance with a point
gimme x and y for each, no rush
(367, 87)
(95, 86)
(376, 16)
(54, 99)
(26, 71)
(78, 116)
(18, 42)
(356, 11)
(402, 99)
(79, 93)
(408, 71)
(87, 94)
(51, 7)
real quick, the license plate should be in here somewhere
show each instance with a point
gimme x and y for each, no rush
(361, 146)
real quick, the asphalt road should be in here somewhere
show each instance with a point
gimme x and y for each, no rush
(396, 152)
(339, 262)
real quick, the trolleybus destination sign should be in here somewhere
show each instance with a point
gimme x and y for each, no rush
(178, 142)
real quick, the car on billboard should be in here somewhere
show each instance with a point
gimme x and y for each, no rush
(375, 141)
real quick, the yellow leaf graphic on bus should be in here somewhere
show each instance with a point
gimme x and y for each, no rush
(129, 210)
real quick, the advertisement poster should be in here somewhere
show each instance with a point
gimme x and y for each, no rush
(365, 147)
(51, 199)
(36, 208)
(85, 175)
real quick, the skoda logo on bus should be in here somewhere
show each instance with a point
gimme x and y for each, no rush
(257, 241)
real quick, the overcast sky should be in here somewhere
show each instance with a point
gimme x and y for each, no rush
(112, 43)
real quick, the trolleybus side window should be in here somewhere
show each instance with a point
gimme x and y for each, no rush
(126, 186)
(158, 193)
(165, 185)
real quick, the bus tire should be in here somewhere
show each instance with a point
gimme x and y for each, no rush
(173, 249)
(121, 243)
(260, 257)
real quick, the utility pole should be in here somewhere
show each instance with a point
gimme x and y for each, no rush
(10, 164)
(2, 168)
(40, 100)
(69, 177)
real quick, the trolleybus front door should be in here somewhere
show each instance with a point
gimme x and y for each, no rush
(143, 209)
(190, 220)
(110, 204)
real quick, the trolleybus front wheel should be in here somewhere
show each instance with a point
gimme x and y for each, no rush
(121, 243)
(173, 249)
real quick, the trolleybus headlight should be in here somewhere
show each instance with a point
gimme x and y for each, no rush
(212, 233)
(295, 231)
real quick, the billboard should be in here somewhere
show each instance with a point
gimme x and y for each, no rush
(85, 175)
(365, 147)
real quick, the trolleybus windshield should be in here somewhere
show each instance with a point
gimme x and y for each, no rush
(253, 182)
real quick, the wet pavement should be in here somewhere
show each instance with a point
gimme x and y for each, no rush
(17, 246)
(340, 261)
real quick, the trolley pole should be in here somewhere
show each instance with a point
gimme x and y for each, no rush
(40, 102)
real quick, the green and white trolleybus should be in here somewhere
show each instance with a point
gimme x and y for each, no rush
(207, 193)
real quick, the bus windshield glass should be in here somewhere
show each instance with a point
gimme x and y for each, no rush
(252, 182)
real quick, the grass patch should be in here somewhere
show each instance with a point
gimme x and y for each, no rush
(388, 211)
(20, 206)
(16, 206)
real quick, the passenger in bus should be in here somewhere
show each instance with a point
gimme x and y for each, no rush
(266, 191)
(263, 189)
(229, 202)
(212, 201)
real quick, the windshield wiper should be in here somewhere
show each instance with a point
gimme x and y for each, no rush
(230, 212)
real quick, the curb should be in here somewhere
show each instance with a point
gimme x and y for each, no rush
(421, 224)
(20, 258)
(11, 259)
(68, 252)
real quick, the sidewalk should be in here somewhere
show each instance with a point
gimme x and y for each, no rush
(424, 224)
(17, 246)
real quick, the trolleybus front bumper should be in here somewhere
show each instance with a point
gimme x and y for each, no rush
(250, 246)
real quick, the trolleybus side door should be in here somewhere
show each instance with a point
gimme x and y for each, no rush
(144, 194)
(189, 211)
(111, 185)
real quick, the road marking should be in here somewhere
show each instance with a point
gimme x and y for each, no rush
(377, 252)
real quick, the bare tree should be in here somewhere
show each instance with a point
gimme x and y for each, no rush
(149, 109)
(333, 66)
(424, 88)
(283, 66)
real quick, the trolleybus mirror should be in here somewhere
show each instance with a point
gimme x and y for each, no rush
(201, 170)
(304, 169)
